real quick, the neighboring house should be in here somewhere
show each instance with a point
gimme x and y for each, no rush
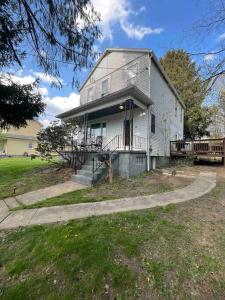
(217, 128)
(20, 141)
(129, 102)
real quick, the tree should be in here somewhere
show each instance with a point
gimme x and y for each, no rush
(19, 103)
(59, 138)
(53, 32)
(209, 25)
(192, 90)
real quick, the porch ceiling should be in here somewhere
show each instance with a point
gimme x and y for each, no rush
(109, 103)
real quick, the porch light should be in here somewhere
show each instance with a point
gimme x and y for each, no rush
(121, 107)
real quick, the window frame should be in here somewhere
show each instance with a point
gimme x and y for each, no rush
(101, 128)
(129, 68)
(88, 98)
(176, 107)
(32, 147)
(106, 92)
(153, 123)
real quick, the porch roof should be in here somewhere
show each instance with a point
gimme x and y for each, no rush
(131, 92)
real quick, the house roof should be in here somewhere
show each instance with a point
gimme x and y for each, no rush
(131, 91)
(137, 50)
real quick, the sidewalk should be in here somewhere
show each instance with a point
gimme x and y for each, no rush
(202, 185)
(42, 194)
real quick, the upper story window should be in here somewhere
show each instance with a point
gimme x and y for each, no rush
(90, 94)
(181, 114)
(176, 106)
(105, 86)
(133, 70)
(152, 123)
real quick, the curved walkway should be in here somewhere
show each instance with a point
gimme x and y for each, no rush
(46, 215)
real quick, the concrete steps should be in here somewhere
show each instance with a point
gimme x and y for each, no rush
(85, 175)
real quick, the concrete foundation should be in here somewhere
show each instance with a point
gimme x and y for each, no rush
(132, 163)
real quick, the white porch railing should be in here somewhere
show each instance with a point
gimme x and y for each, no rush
(108, 143)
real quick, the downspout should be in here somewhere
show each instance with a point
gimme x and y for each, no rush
(148, 118)
(148, 143)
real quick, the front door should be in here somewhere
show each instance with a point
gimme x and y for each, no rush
(126, 132)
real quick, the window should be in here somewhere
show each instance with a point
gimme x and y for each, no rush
(139, 160)
(153, 123)
(181, 114)
(103, 129)
(98, 129)
(132, 71)
(30, 146)
(176, 104)
(105, 87)
(90, 94)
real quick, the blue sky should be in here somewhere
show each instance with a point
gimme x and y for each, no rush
(156, 24)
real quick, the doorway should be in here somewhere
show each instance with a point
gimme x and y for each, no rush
(126, 132)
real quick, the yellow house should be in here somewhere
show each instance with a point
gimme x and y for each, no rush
(20, 141)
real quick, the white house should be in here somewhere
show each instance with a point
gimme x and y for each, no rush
(129, 103)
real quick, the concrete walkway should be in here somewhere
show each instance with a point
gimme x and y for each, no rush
(46, 215)
(42, 194)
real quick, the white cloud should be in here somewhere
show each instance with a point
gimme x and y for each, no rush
(142, 8)
(139, 32)
(47, 78)
(221, 37)
(43, 91)
(45, 122)
(59, 104)
(209, 57)
(28, 79)
(118, 12)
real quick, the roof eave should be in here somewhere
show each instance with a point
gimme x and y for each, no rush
(129, 91)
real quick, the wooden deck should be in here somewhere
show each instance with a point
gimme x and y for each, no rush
(212, 148)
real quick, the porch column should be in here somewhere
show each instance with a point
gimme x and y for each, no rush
(128, 105)
(85, 127)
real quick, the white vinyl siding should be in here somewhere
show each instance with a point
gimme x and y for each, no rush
(118, 67)
(168, 125)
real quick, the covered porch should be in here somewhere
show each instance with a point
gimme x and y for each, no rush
(115, 122)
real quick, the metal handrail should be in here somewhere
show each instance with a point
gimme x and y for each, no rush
(115, 140)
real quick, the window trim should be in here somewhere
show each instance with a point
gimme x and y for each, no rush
(153, 124)
(176, 107)
(30, 147)
(131, 65)
(101, 126)
(106, 93)
(90, 88)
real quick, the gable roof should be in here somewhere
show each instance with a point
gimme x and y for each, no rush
(136, 50)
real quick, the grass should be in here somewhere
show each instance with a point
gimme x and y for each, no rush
(173, 252)
(26, 175)
(145, 184)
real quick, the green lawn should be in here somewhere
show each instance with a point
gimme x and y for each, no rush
(26, 175)
(145, 184)
(174, 252)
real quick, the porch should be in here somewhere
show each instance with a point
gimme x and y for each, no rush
(117, 121)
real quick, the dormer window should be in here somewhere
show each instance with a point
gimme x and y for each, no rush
(90, 94)
(105, 87)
